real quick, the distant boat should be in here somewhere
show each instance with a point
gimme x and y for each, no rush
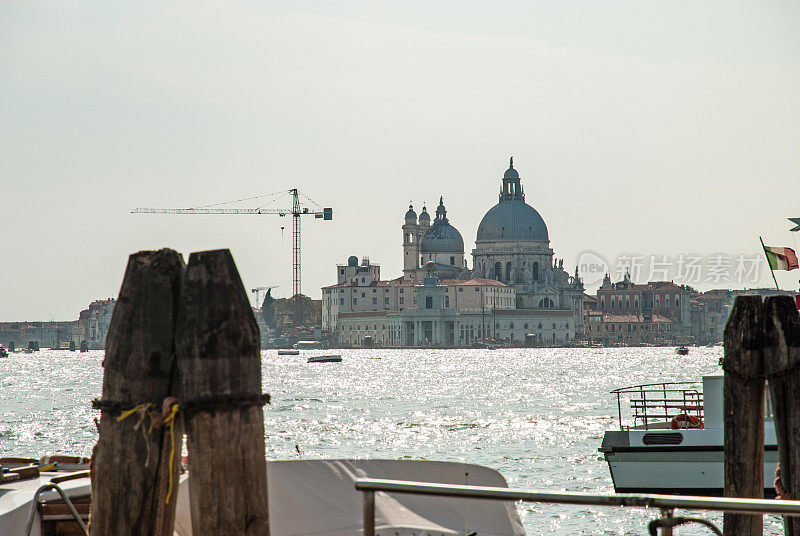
(288, 352)
(682, 350)
(325, 359)
(3, 352)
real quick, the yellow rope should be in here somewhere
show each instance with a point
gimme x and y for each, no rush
(127, 413)
(171, 420)
(142, 409)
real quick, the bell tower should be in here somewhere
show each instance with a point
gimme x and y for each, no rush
(410, 244)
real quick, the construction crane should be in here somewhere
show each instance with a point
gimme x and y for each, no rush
(296, 211)
(257, 292)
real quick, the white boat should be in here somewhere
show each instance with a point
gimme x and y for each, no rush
(672, 441)
(325, 359)
(313, 497)
(288, 352)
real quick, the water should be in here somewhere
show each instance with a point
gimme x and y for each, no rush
(536, 415)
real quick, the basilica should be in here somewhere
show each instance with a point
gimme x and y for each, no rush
(515, 293)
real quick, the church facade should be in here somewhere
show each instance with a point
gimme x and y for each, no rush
(515, 291)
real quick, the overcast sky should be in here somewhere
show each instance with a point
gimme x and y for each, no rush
(640, 128)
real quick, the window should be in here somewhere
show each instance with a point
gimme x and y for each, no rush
(511, 325)
(374, 301)
(341, 271)
(428, 302)
(536, 271)
(447, 301)
(602, 304)
(461, 289)
(401, 291)
(362, 279)
(374, 290)
(452, 261)
(363, 294)
(341, 301)
(355, 301)
(386, 301)
(401, 300)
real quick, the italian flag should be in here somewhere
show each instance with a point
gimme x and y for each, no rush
(781, 258)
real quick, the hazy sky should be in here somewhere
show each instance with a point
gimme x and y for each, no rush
(643, 128)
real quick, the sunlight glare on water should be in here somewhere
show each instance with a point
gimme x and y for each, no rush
(536, 415)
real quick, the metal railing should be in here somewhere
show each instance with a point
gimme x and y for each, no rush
(35, 505)
(654, 405)
(665, 503)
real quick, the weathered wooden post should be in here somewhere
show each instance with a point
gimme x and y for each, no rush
(219, 364)
(127, 464)
(782, 366)
(743, 399)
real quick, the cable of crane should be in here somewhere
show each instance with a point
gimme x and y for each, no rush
(244, 199)
(308, 198)
(273, 201)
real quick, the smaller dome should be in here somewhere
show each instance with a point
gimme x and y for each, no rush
(411, 215)
(352, 260)
(424, 214)
(442, 238)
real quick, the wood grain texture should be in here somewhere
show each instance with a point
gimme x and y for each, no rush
(218, 355)
(782, 366)
(138, 367)
(743, 399)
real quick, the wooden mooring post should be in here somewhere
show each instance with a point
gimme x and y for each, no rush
(128, 464)
(219, 365)
(762, 342)
(743, 403)
(782, 367)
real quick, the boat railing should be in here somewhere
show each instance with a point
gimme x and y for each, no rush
(667, 504)
(655, 405)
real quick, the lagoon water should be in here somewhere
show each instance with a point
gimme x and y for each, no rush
(536, 415)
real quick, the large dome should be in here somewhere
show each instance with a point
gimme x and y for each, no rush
(512, 220)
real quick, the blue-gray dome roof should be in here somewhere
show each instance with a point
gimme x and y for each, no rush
(511, 173)
(442, 237)
(424, 214)
(512, 220)
(411, 215)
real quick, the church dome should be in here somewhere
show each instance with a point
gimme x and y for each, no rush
(424, 216)
(411, 216)
(442, 237)
(512, 218)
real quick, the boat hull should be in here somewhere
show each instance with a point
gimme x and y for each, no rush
(681, 470)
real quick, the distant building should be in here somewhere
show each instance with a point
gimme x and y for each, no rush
(514, 289)
(94, 323)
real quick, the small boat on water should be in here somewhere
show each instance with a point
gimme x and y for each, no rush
(296, 491)
(288, 352)
(682, 350)
(673, 441)
(325, 359)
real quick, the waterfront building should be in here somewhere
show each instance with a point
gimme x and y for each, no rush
(515, 288)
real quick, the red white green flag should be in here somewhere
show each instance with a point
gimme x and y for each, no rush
(781, 258)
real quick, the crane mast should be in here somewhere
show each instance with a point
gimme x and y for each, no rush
(297, 210)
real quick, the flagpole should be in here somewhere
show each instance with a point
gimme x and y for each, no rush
(768, 264)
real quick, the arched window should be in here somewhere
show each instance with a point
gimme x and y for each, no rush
(536, 271)
(508, 273)
(612, 302)
(546, 303)
(498, 270)
(447, 301)
(602, 303)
